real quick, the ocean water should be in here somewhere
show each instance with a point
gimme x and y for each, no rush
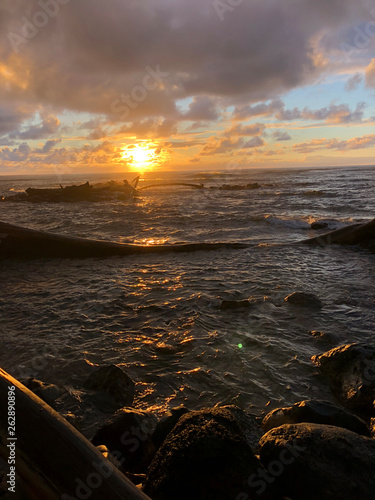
(159, 317)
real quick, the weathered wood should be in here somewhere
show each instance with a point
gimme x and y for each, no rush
(19, 242)
(355, 234)
(52, 458)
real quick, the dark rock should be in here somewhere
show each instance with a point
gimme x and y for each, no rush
(166, 424)
(324, 337)
(304, 300)
(48, 392)
(351, 372)
(114, 381)
(234, 304)
(312, 461)
(319, 225)
(127, 435)
(317, 412)
(206, 456)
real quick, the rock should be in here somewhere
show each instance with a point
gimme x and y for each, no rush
(205, 456)
(48, 392)
(351, 371)
(304, 300)
(166, 424)
(323, 337)
(319, 225)
(127, 435)
(114, 381)
(317, 412)
(311, 461)
(234, 304)
(372, 426)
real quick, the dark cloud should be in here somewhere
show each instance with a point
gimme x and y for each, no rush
(88, 56)
(364, 142)
(354, 82)
(279, 135)
(334, 113)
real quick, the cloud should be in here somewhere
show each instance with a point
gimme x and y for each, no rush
(202, 108)
(226, 145)
(370, 74)
(85, 59)
(245, 130)
(260, 109)
(281, 136)
(364, 142)
(334, 113)
(50, 125)
(354, 82)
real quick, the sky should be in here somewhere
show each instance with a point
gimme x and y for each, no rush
(137, 85)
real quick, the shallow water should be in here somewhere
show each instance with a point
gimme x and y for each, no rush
(159, 315)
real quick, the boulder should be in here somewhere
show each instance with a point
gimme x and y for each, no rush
(317, 412)
(48, 392)
(311, 461)
(206, 456)
(166, 424)
(113, 381)
(351, 371)
(234, 304)
(127, 435)
(304, 300)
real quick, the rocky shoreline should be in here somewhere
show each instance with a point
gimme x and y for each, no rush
(313, 449)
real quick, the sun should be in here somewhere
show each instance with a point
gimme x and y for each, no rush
(139, 157)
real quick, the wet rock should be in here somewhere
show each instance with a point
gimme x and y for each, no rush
(127, 435)
(317, 412)
(351, 371)
(372, 426)
(234, 304)
(166, 424)
(311, 461)
(323, 337)
(304, 300)
(205, 456)
(319, 225)
(48, 392)
(113, 381)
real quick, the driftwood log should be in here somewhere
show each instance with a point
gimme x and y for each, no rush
(53, 460)
(19, 242)
(355, 234)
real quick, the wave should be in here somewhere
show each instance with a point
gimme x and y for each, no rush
(306, 223)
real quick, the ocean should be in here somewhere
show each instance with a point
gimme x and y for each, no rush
(159, 316)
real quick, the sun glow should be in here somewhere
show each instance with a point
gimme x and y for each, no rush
(139, 157)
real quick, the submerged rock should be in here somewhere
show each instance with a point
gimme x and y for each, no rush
(127, 435)
(311, 461)
(304, 300)
(351, 372)
(48, 392)
(206, 456)
(113, 381)
(317, 412)
(234, 304)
